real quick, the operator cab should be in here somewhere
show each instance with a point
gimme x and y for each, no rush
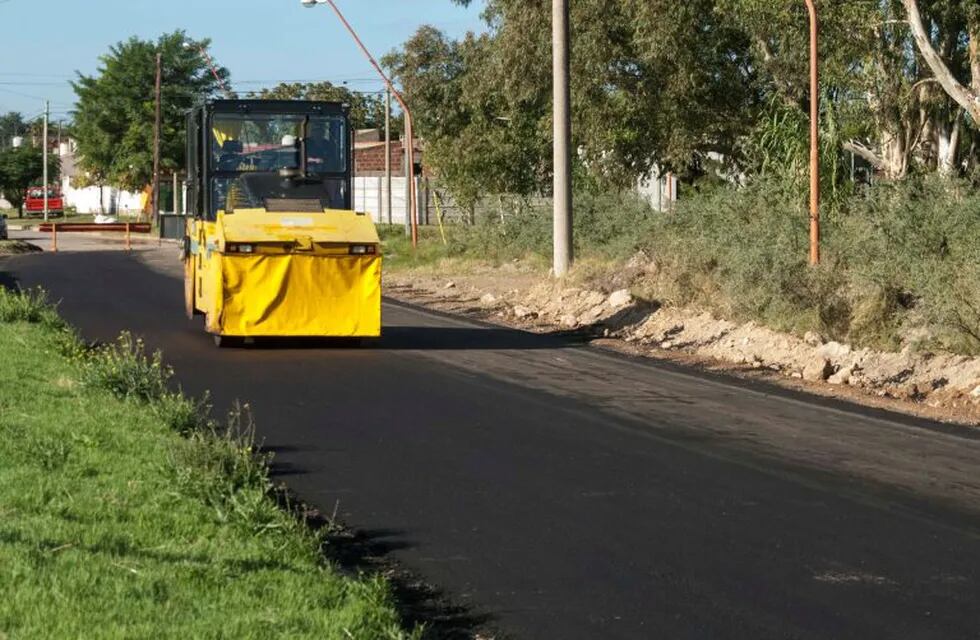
(268, 154)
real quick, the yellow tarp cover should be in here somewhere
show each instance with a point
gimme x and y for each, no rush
(299, 295)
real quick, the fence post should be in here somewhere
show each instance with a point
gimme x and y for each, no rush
(54, 237)
(129, 246)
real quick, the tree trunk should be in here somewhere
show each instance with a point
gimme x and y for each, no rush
(947, 149)
(895, 156)
(967, 97)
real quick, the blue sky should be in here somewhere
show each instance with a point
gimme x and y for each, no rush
(260, 41)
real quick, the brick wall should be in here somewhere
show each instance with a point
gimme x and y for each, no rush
(369, 158)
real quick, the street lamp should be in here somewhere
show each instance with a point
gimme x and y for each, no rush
(214, 71)
(814, 135)
(412, 200)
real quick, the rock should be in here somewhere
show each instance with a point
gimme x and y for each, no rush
(619, 299)
(975, 393)
(591, 298)
(450, 285)
(639, 259)
(488, 300)
(818, 370)
(521, 313)
(910, 391)
(834, 351)
(666, 344)
(592, 315)
(568, 321)
(842, 377)
(813, 339)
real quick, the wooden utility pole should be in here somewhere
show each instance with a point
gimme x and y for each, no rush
(155, 205)
(814, 135)
(561, 73)
(47, 114)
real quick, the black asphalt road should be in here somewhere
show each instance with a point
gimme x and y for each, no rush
(570, 493)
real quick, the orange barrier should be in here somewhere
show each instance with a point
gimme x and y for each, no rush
(86, 227)
(128, 228)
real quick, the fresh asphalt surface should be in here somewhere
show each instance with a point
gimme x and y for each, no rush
(568, 493)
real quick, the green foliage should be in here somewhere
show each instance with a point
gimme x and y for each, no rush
(661, 85)
(899, 265)
(116, 108)
(23, 167)
(481, 137)
(126, 371)
(367, 111)
(12, 124)
(31, 306)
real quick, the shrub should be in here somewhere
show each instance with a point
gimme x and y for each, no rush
(30, 305)
(901, 262)
(124, 369)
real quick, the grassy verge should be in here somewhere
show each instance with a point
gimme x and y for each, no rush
(126, 512)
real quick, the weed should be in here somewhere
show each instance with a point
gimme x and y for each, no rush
(124, 369)
(30, 305)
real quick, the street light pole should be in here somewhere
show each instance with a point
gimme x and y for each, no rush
(561, 72)
(155, 195)
(388, 151)
(814, 135)
(214, 71)
(412, 196)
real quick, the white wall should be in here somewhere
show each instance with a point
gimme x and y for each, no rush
(656, 189)
(116, 201)
(370, 197)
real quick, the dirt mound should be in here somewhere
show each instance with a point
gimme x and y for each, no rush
(939, 380)
(17, 247)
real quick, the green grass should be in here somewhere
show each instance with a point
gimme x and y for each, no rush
(125, 513)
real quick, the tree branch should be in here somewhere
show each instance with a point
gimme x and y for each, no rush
(964, 96)
(859, 149)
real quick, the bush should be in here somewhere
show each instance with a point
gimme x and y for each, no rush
(31, 305)
(126, 371)
(901, 262)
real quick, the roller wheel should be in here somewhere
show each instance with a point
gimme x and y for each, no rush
(227, 342)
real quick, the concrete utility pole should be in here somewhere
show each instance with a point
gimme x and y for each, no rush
(814, 135)
(155, 205)
(561, 72)
(47, 113)
(388, 150)
(176, 209)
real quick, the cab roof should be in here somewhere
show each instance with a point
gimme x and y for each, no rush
(302, 107)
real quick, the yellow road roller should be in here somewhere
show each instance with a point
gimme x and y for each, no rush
(272, 245)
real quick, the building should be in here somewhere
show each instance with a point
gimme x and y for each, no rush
(370, 186)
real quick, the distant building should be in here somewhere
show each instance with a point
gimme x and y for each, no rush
(92, 199)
